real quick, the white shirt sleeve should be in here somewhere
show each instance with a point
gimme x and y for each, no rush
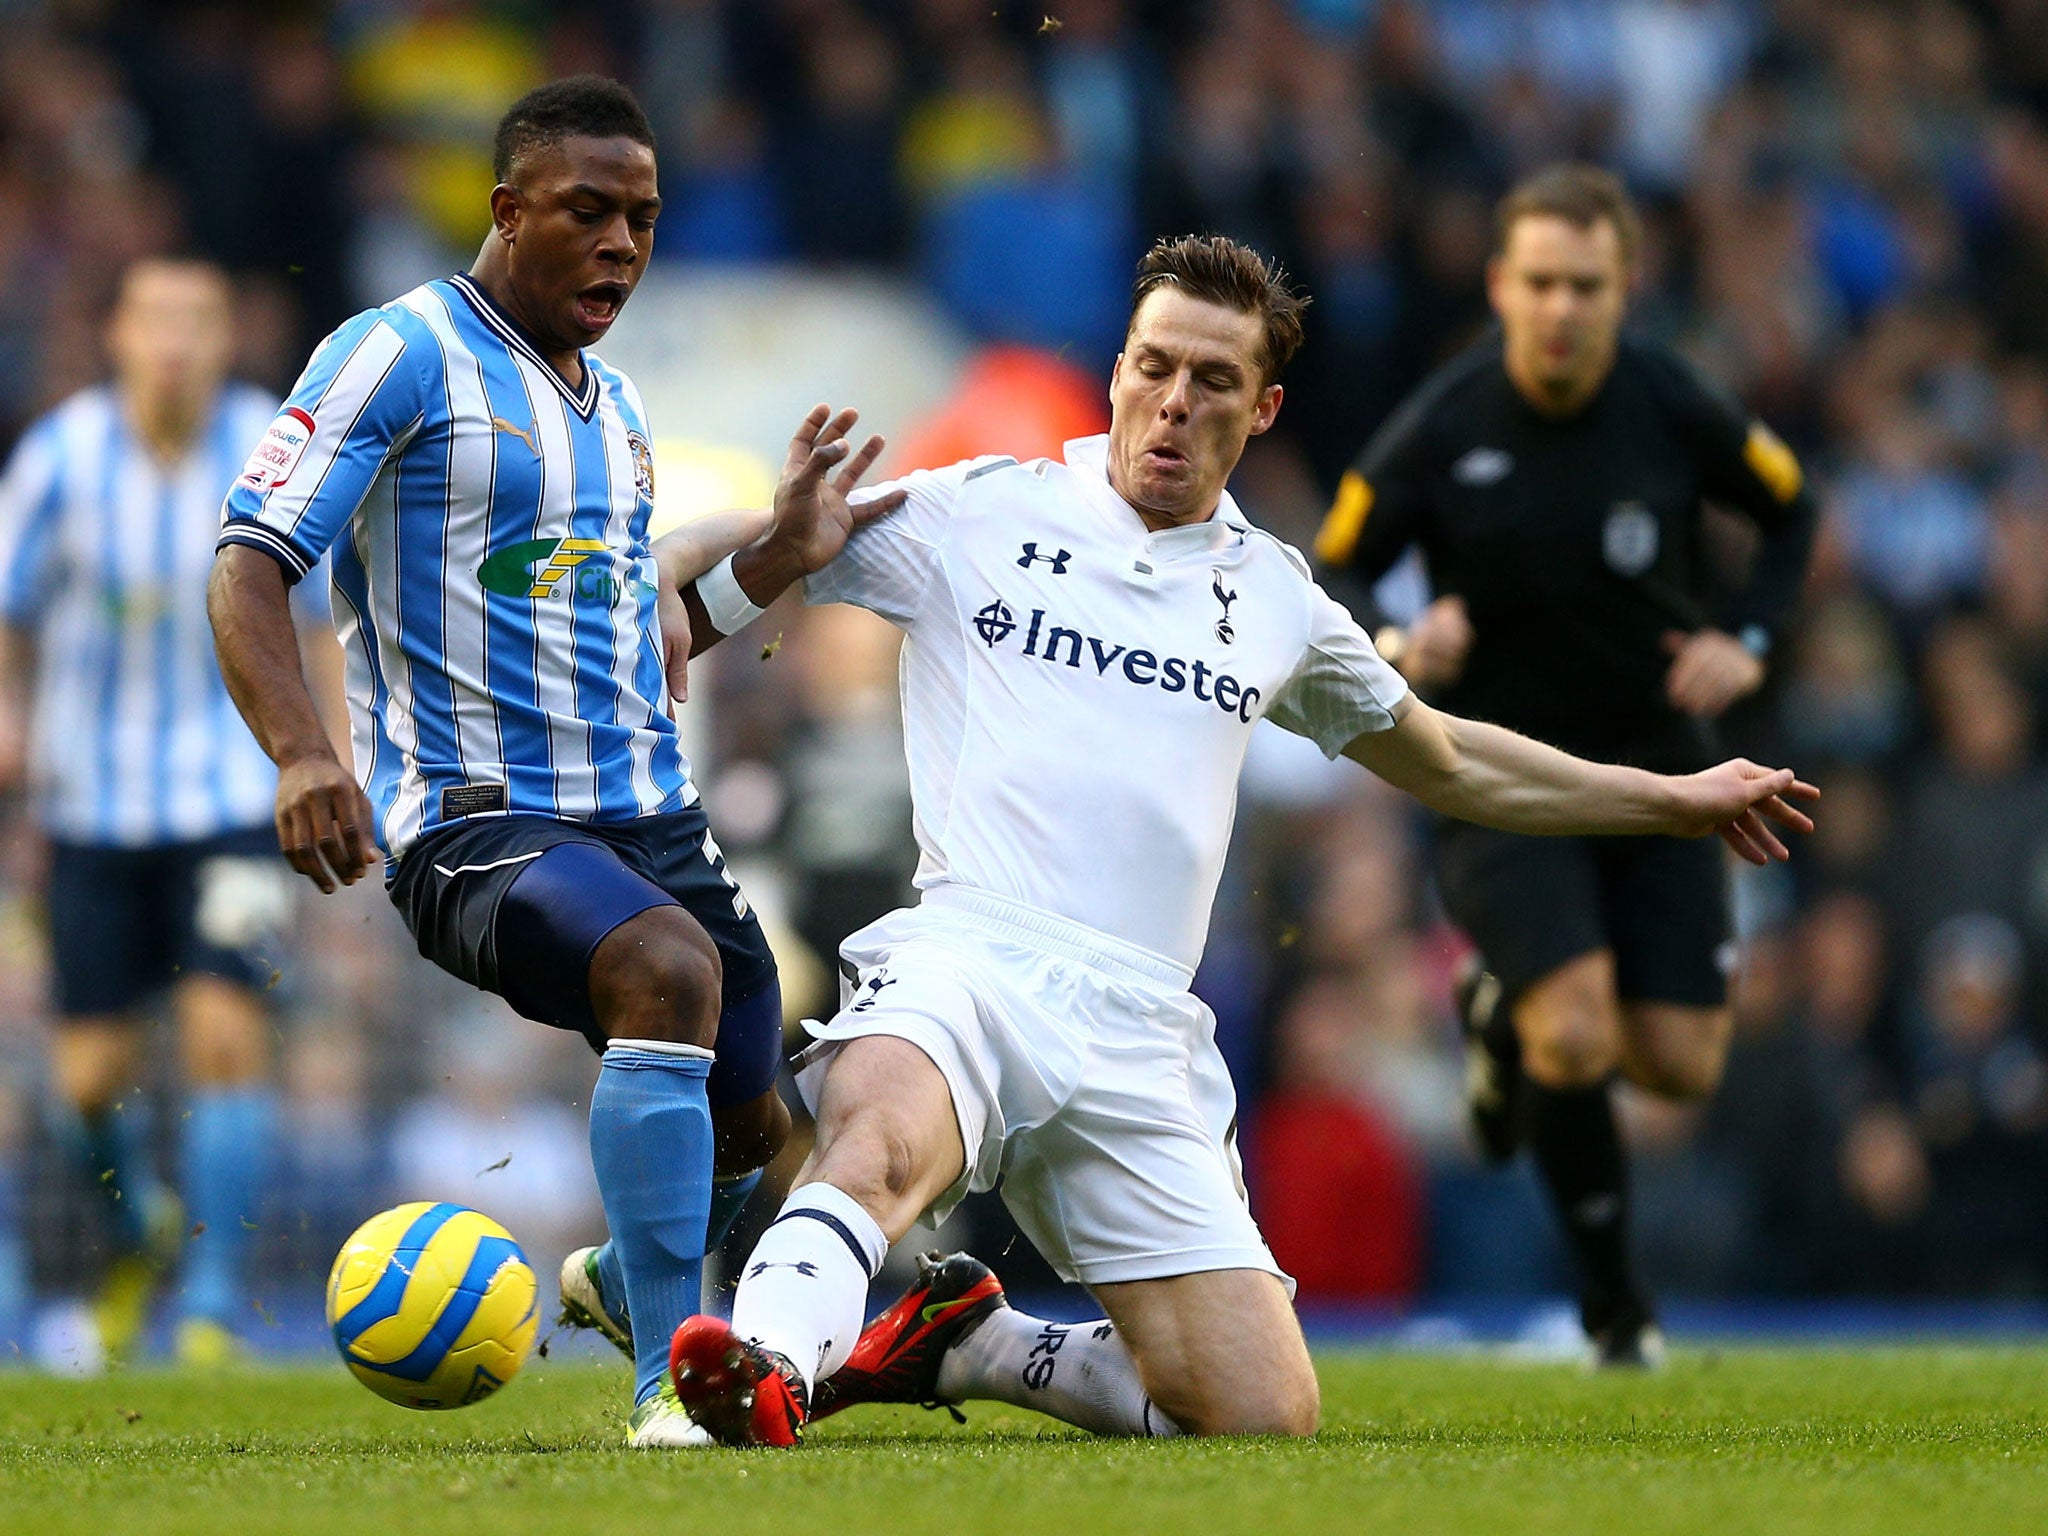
(887, 566)
(1341, 688)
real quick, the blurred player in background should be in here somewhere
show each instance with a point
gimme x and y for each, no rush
(1089, 645)
(1554, 477)
(485, 486)
(156, 801)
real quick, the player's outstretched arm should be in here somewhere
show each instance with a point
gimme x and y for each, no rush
(812, 522)
(324, 821)
(1483, 773)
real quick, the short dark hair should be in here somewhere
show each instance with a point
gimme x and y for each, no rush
(1218, 269)
(1580, 194)
(579, 107)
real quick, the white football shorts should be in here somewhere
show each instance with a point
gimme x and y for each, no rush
(1084, 1074)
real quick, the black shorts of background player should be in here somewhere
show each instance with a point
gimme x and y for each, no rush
(1554, 478)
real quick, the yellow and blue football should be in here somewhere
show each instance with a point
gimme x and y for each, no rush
(432, 1305)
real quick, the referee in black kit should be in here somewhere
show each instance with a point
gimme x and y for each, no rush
(1553, 476)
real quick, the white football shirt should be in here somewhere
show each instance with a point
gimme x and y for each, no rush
(1079, 692)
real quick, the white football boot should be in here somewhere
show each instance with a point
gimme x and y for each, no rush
(584, 1306)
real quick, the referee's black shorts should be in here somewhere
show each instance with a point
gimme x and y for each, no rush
(1533, 903)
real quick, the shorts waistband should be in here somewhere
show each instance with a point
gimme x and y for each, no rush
(1056, 935)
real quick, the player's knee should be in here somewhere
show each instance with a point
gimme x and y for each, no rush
(1571, 1047)
(655, 980)
(1277, 1403)
(876, 1162)
(92, 1067)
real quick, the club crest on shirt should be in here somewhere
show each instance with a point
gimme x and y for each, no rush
(1226, 597)
(1629, 539)
(1483, 466)
(643, 465)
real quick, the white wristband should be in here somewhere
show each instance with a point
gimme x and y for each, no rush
(724, 603)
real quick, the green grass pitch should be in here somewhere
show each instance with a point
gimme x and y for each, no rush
(1786, 1442)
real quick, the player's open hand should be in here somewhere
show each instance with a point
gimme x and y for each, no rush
(1745, 803)
(1710, 670)
(324, 821)
(813, 518)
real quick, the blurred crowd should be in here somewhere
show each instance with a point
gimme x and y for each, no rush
(1846, 205)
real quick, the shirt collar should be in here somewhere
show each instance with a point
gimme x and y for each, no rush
(1088, 457)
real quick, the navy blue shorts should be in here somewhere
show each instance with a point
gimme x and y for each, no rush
(1533, 903)
(532, 946)
(126, 922)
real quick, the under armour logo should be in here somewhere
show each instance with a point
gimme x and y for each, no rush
(874, 991)
(803, 1267)
(995, 623)
(1058, 562)
(1224, 632)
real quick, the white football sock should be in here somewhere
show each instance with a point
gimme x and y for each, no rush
(1079, 1372)
(804, 1290)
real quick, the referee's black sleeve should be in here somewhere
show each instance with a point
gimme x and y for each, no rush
(1745, 465)
(1378, 512)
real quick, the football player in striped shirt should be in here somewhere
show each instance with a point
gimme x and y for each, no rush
(513, 640)
(155, 799)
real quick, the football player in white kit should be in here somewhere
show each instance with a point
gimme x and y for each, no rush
(1088, 647)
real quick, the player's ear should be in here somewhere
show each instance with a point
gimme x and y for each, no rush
(1268, 408)
(505, 211)
(1493, 281)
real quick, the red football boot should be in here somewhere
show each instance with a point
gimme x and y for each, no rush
(739, 1392)
(897, 1357)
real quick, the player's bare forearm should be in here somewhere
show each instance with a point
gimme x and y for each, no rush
(258, 646)
(687, 552)
(1486, 774)
(768, 569)
(324, 821)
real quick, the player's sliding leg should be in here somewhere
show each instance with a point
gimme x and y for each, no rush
(227, 1151)
(888, 1146)
(1570, 1027)
(953, 1338)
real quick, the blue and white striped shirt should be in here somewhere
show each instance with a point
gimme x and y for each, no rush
(104, 554)
(495, 588)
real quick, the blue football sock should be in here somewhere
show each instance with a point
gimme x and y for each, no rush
(227, 1155)
(111, 1145)
(650, 1144)
(728, 1198)
(15, 1293)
